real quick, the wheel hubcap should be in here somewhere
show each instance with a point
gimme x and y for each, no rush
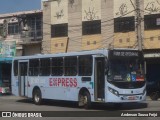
(85, 99)
(37, 98)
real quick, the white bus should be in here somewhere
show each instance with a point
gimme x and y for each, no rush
(106, 76)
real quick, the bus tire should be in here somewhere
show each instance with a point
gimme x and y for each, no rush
(87, 100)
(37, 97)
(154, 96)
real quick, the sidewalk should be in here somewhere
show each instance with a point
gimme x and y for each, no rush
(10, 97)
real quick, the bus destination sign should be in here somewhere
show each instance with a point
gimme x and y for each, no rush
(124, 53)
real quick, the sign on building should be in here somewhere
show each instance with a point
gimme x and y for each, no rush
(7, 48)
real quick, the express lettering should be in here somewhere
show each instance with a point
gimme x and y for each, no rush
(64, 82)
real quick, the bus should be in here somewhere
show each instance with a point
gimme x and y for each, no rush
(104, 76)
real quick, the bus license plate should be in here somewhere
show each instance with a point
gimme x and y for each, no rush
(131, 98)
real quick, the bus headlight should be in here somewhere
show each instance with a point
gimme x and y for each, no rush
(115, 92)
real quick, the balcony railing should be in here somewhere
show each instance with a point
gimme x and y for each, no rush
(31, 36)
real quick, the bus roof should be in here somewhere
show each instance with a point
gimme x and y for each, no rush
(90, 52)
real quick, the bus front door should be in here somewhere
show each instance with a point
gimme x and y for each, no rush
(23, 70)
(99, 78)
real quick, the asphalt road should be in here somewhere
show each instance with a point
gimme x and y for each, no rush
(12, 103)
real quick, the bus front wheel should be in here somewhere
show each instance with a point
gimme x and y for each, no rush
(37, 97)
(85, 100)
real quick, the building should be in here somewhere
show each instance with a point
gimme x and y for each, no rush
(76, 25)
(20, 35)
(25, 28)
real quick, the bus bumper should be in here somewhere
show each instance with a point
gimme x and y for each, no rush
(125, 98)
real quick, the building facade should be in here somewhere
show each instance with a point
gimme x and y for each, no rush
(75, 25)
(25, 29)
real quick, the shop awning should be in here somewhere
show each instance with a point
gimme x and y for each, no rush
(5, 60)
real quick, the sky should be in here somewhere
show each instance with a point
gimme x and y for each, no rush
(10, 6)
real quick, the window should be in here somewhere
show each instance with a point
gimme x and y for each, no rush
(57, 66)
(152, 22)
(88, 42)
(33, 67)
(45, 67)
(124, 24)
(120, 41)
(70, 66)
(91, 27)
(15, 66)
(13, 28)
(59, 30)
(1, 29)
(62, 44)
(85, 65)
(35, 25)
(94, 42)
(128, 39)
(151, 38)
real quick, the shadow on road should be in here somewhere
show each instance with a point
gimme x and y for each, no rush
(95, 106)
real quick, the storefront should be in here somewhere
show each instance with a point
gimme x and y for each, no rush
(152, 59)
(5, 75)
(7, 52)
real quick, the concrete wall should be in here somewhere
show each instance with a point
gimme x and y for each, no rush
(107, 23)
(32, 49)
(46, 42)
(75, 26)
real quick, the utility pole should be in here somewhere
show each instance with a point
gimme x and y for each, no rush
(138, 25)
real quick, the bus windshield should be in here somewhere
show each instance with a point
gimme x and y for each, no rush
(121, 70)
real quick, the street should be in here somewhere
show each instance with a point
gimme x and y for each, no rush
(13, 103)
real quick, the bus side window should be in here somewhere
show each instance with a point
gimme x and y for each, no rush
(57, 66)
(85, 65)
(33, 67)
(44, 67)
(15, 68)
(70, 66)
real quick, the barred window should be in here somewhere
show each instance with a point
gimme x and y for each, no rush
(70, 66)
(91, 27)
(44, 67)
(124, 24)
(57, 66)
(59, 30)
(1, 29)
(85, 65)
(33, 67)
(13, 28)
(152, 22)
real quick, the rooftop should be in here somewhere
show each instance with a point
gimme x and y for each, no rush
(19, 13)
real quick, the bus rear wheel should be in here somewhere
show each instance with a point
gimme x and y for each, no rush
(37, 97)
